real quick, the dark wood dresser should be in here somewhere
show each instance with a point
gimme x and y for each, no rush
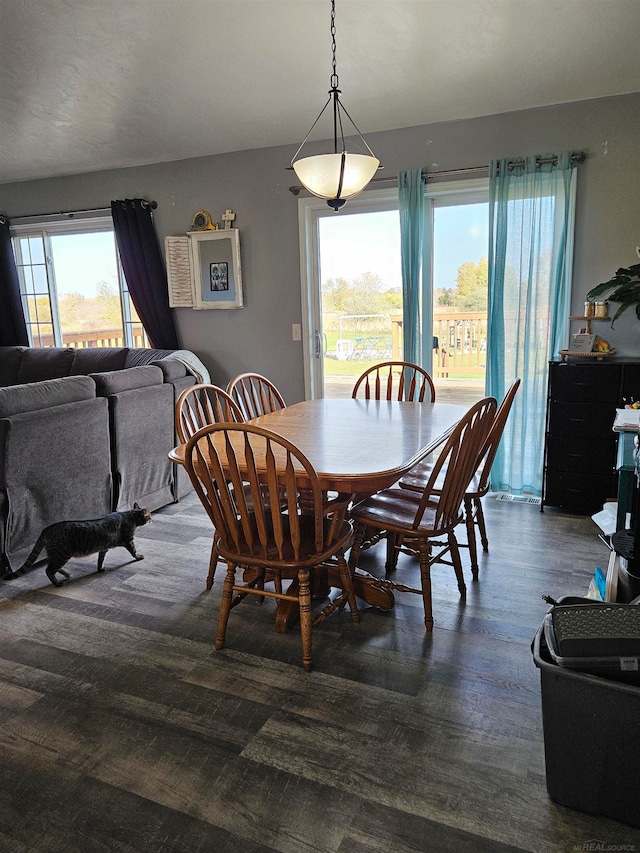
(580, 446)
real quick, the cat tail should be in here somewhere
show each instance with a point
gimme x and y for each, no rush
(33, 556)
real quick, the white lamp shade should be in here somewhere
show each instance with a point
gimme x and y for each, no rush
(321, 174)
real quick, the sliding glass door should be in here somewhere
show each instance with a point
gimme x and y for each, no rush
(352, 288)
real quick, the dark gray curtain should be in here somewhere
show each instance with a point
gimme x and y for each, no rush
(13, 329)
(144, 269)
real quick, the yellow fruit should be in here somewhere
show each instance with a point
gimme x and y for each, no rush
(601, 346)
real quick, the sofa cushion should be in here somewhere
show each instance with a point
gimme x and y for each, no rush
(171, 368)
(98, 360)
(40, 363)
(10, 358)
(140, 356)
(44, 395)
(126, 380)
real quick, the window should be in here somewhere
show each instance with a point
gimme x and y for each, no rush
(73, 289)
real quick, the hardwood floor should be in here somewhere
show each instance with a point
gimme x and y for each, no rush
(122, 729)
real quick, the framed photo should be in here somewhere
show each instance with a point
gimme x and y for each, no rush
(215, 268)
(219, 276)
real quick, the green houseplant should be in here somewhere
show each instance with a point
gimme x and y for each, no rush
(625, 287)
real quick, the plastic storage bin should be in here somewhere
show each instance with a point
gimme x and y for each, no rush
(591, 731)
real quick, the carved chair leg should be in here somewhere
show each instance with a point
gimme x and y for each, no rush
(305, 618)
(347, 585)
(457, 564)
(394, 543)
(425, 579)
(225, 605)
(356, 548)
(213, 563)
(471, 536)
(480, 523)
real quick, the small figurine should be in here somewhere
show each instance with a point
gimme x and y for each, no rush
(227, 217)
(202, 221)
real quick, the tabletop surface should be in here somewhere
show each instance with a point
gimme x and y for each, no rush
(361, 445)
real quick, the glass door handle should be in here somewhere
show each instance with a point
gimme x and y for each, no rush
(318, 344)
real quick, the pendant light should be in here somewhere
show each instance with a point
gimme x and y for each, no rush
(340, 175)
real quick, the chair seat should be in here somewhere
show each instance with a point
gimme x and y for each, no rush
(243, 553)
(395, 509)
(418, 476)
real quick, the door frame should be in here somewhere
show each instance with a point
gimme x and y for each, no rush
(310, 211)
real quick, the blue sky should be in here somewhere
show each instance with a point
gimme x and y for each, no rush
(84, 260)
(370, 242)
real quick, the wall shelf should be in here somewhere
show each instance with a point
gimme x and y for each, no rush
(588, 321)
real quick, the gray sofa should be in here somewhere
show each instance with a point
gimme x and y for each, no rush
(83, 432)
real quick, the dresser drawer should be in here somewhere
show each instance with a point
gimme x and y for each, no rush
(582, 420)
(584, 493)
(584, 383)
(581, 455)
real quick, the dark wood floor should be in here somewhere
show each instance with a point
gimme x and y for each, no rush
(122, 729)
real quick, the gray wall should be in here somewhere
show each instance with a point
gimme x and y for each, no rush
(255, 185)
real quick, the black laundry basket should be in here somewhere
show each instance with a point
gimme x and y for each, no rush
(591, 731)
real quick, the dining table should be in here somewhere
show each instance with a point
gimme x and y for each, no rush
(357, 448)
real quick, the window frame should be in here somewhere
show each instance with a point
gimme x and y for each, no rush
(44, 227)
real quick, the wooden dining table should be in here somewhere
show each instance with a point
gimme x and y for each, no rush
(358, 447)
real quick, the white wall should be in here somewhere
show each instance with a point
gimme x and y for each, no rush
(255, 185)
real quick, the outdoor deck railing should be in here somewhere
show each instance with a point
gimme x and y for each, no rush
(460, 343)
(94, 338)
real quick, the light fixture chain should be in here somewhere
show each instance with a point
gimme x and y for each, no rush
(334, 75)
(337, 176)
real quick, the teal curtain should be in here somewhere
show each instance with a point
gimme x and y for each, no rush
(531, 226)
(411, 206)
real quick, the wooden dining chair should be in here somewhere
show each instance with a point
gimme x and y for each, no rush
(255, 395)
(416, 523)
(417, 477)
(272, 542)
(395, 380)
(199, 406)
(203, 405)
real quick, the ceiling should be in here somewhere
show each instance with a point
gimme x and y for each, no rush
(87, 85)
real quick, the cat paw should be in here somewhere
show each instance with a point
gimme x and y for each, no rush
(64, 572)
(139, 557)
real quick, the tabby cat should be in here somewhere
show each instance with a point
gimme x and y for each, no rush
(66, 539)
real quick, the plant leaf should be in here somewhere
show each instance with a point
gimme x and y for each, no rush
(598, 289)
(620, 311)
(627, 282)
(629, 292)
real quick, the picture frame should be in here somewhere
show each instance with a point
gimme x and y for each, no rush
(582, 342)
(215, 268)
